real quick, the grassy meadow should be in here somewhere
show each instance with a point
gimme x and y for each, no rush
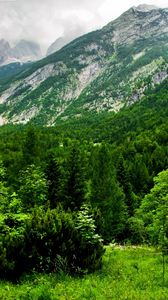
(132, 273)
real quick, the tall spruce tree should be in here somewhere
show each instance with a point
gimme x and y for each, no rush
(30, 147)
(73, 193)
(53, 176)
(140, 176)
(124, 181)
(107, 196)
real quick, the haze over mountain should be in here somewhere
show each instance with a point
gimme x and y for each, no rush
(58, 44)
(55, 18)
(105, 70)
(23, 51)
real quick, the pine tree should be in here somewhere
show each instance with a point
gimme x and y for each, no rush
(107, 196)
(30, 147)
(53, 176)
(140, 176)
(73, 192)
(124, 181)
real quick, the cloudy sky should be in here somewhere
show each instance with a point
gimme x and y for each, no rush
(44, 21)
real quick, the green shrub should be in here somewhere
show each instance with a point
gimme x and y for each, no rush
(90, 248)
(50, 241)
(136, 230)
(12, 245)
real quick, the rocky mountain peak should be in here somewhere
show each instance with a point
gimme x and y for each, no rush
(145, 7)
(143, 21)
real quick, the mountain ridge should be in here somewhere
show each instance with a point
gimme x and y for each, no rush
(104, 70)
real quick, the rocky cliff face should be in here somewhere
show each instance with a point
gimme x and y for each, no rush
(104, 70)
(23, 51)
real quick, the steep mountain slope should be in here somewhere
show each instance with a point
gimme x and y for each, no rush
(23, 51)
(146, 119)
(7, 71)
(104, 70)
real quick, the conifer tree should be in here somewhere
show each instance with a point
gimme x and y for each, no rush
(124, 181)
(74, 188)
(107, 196)
(30, 147)
(140, 176)
(53, 176)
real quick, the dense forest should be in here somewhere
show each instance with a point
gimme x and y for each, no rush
(67, 190)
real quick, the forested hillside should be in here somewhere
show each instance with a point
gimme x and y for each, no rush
(75, 186)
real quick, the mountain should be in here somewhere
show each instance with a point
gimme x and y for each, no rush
(8, 71)
(26, 51)
(57, 45)
(4, 48)
(102, 71)
(62, 41)
(23, 51)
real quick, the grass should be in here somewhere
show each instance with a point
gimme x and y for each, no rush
(131, 273)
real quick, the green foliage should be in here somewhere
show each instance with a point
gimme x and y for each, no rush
(30, 147)
(43, 241)
(107, 196)
(154, 210)
(3, 190)
(86, 224)
(73, 193)
(124, 180)
(53, 175)
(108, 161)
(91, 248)
(33, 187)
(137, 233)
(14, 205)
(12, 245)
(2, 171)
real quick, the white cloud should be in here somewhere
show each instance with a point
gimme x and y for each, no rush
(109, 11)
(46, 20)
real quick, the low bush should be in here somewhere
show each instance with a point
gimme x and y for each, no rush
(50, 241)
